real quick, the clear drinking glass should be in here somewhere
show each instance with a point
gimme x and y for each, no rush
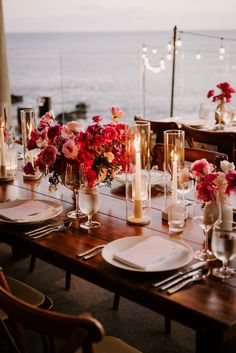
(205, 214)
(89, 203)
(184, 183)
(224, 248)
(72, 182)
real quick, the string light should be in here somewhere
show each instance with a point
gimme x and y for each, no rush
(154, 51)
(169, 46)
(179, 42)
(144, 49)
(198, 56)
(221, 57)
(222, 49)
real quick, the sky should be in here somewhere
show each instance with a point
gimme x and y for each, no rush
(117, 15)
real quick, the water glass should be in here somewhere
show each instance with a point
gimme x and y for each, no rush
(176, 217)
(205, 214)
(224, 248)
(89, 203)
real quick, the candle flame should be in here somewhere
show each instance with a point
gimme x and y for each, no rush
(29, 128)
(137, 142)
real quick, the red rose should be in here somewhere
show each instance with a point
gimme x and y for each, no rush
(97, 119)
(49, 155)
(109, 134)
(54, 131)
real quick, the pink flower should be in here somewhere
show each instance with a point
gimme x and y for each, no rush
(109, 134)
(70, 150)
(49, 155)
(185, 176)
(201, 167)
(230, 176)
(97, 119)
(226, 92)
(117, 112)
(46, 120)
(74, 126)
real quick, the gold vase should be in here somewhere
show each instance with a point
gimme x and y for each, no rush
(219, 112)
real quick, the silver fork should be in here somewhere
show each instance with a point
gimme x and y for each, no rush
(89, 253)
(40, 232)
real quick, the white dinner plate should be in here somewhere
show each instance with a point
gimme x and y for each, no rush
(54, 210)
(122, 244)
(157, 177)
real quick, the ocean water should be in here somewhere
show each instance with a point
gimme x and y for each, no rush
(105, 69)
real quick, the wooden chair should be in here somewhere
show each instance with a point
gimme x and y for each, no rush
(75, 331)
(191, 155)
(223, 141)
(158, 127)
(24, 292)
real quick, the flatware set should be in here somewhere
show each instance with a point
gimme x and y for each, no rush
(42, 231)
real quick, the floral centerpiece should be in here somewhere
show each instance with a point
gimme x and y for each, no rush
(100, 147)
(210, 182)
(222, 97)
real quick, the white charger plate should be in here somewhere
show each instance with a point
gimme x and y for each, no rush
(54, 211)
(157, 177)
(124, 243)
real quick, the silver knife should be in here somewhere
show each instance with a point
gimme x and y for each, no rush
(180, 273)
(179, 279)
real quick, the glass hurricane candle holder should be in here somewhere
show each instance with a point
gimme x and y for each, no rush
(28, 124)
(174, 155)
(138, 185)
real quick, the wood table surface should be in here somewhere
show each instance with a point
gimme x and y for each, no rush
(208, 307)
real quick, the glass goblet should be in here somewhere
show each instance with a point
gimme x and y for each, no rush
(89, 203)
(205, 214)
(224, 248)
(184, 183)
(72, 182)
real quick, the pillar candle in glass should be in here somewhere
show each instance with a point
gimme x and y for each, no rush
(138, 186)
(28, 123)
(174, 155)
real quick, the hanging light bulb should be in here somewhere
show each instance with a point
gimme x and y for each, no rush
(221, 57)
(154, 51)
(198, 56)
(222, 49)
(168, 56)
(162, 64)
(169, 46)
(179, 42)
(144, 48)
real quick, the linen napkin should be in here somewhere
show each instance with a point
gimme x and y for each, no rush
(152, 251)
(25, 209)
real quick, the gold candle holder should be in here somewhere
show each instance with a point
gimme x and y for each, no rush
(138, 186)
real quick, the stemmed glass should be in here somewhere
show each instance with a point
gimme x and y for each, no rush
(72, 182)
(205, 214)
(184, 183)
(89, 202)
(224, 248)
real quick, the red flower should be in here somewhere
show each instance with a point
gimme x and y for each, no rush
(109, 134)
(97, 119)
(54, 131)
(49, 155)
(226, 92)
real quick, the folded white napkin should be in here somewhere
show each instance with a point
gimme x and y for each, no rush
(25, 209)
(152, 252)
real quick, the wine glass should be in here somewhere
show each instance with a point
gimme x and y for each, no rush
(89, 203)
(205, 214)
(72, 182)
(185, 183)
(224, 248)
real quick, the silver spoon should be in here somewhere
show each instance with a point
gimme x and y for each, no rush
(200, 275)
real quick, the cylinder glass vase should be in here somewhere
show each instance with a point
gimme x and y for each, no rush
(174, 156)
(28, 124)
(138, 185)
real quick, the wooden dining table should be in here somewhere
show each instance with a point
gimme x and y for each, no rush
(208, 307)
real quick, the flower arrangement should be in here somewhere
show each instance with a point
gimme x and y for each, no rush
(209, 181)
(224, 95)
(100, 147)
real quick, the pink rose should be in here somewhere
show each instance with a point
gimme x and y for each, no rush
(70, 150)
(97, 119)
(74, 126)
(49, 155)
(109, 134)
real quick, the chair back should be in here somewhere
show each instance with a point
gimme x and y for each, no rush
(75, 330)
(191, 155)
(222, 140)
(158, 127)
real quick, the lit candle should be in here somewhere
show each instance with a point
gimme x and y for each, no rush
(174, 177)
(30, 153)
(137, 183)
(2, 145)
